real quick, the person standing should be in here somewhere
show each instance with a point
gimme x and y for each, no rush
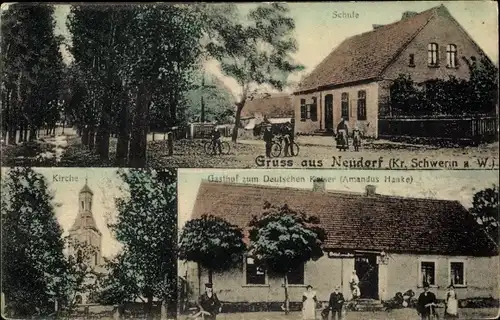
(426, 303)
(342, 135)
(356, 137)
(208, 302)
(355, 285)
(216, 143)
(309, 301)
(288, 138)
(451, 301)
(335, 304)
(268, 139)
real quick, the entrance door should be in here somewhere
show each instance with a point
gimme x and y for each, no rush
(367, 271)
(329, 113)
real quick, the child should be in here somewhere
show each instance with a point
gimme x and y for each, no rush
(356, 134)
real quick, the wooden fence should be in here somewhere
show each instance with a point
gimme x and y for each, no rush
(474, 129)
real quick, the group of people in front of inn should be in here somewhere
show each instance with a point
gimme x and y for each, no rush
(210, 306)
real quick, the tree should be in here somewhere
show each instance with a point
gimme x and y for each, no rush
(32, 69)
(146, 226)
(255, 52)
(213, 243)
(485, 210)
(483, 83)
(283, 239)
(34, 267)
(164, 49)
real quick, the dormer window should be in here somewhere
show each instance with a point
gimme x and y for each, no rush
(432, 55)
(451, 56)
(411, 61)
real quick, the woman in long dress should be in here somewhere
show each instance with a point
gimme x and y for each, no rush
(309, 301)
(451, 309)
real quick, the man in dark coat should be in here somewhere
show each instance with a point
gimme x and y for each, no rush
(335, 304)
(342, 135)
(426, 303)
(209, 302)
(268, 139)
(216, 143)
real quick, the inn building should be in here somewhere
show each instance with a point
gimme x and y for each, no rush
(353, 81)
(393, 243)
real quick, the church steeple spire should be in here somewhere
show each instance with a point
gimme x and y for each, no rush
(85, 219)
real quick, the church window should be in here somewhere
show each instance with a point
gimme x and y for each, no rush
(96, 260)
(82, 204)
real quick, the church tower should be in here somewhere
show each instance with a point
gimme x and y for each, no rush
(85, 232)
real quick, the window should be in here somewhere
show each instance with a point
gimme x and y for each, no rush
(255, 274)
(428, 272)
(82, 205)
(78, 299)
(345, 105)
(411, 62)
(296, 276)
(451, 56)
(362, 105)
(433, 56)
(96, 260)
(314, 110)
(303, 110)
(457, 273)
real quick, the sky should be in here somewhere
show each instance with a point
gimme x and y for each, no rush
(318, 32)
(435, 184)
(104, 183)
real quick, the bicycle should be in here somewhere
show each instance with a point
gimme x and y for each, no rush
(209, 148)
(277, 147)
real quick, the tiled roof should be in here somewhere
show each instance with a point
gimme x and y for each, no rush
(274, 106)
(367, 55)
(356, 221)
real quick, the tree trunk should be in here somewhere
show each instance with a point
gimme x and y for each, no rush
(123, 133)
(210, 273)
(149, 305)
(85, 136)
(164, 310)
(237, 120)
(12, 135)
(21, 132)
(138, 142)
(91, 137)
(32, 133)
(287, 298)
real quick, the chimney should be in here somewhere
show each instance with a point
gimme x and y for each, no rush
(376, 26)
(370, 190)
(408, 14)
(319, 185)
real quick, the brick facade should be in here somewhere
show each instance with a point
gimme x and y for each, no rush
(441, 29)
(368, 126)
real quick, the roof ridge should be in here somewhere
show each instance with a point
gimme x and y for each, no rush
(400, 20)
(336, 192)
